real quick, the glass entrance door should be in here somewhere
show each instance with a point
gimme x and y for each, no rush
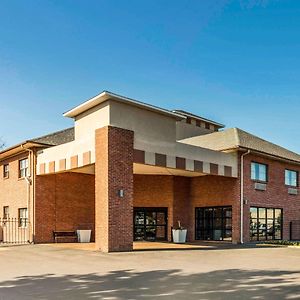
(150, 224)
(214, 223)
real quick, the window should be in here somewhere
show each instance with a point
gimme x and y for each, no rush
(5, 212)
(259, 172)
(265, 224)
(291, 178)
(23, 168)
(6, 171)
(150, 224)
(213, 223)
(23, 217)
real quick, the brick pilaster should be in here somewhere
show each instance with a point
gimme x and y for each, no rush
(114, 172)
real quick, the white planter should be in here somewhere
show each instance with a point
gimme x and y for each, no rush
(84, 236)
(179, 236)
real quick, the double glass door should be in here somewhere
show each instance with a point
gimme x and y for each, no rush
(150, 224)
(214, 223)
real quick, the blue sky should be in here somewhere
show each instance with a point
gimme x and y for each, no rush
(236, 62)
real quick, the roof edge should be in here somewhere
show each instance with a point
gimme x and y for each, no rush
(106, 95)
(199, 118)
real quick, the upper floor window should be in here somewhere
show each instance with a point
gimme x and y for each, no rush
(23, 168)
(5, 212)
(259, 172)
(6, 171)
(291, 178)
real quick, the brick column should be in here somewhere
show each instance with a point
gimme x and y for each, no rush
(114, 172)
(182, 205)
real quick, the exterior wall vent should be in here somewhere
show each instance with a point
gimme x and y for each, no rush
(292, 191)
(260, 186)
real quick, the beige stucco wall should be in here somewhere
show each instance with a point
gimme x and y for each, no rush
(153, 133)
(87, 122)
(185, 130)
(151, 130)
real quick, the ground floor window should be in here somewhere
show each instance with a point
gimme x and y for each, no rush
(265, 223)
(23, 217)
(214, 223)
(150, 224)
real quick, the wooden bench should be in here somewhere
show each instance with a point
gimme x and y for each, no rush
(65, 234)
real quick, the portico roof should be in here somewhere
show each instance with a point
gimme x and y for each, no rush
(106, 95)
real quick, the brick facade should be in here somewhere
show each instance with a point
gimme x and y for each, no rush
(13, 190)
(181, 195)
(69, 201)
(113, 173)
(63, 201)
(275, 196)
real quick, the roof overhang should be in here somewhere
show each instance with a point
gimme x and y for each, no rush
(262, 153)
(105, 95)
(19, 148)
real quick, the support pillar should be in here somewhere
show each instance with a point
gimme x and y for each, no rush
(114, 189)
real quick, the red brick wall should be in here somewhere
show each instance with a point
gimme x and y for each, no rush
(13, 190)
(114, 171)
(276, 195)
(63, 201)
(154, 191)
(216, 191)
(182, 194)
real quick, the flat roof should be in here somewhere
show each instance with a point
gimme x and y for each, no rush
(106, 95)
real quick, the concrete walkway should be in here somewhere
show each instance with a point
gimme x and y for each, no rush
(47, 272)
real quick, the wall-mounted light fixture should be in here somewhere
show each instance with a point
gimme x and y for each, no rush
(121, 193)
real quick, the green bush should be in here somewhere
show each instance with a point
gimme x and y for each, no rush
(284, 242)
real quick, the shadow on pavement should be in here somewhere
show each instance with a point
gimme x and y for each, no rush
(158, 284)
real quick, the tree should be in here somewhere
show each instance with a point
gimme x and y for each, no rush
(2, 144)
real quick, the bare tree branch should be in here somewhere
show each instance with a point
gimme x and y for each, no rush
(2, 144)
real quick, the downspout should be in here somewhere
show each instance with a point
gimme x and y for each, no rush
(30, 181)
(242, 196)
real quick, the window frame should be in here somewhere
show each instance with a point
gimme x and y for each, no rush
(267, 172)
(22, 221)
(297, 178)
(26, 169)
(5, 214)
(5, 172)
(266, 219)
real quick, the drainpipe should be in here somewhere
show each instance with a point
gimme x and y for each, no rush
(30, 181)
(242, 195)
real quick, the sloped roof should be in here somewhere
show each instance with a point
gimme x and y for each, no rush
(56, 138)
(235, 138)
(49, 140)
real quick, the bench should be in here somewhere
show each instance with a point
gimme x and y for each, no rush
(65, 234)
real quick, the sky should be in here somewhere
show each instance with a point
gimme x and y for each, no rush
(235, 62)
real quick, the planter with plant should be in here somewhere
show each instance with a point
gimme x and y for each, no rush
(179, 234)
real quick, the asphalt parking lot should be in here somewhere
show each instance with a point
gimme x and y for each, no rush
(46, 272)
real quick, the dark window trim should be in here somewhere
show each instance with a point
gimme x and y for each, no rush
(297, 180)
(4, 216)
(212, 207)
(154, 209)
(5, 176)
(266, 219)
(267, 172)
